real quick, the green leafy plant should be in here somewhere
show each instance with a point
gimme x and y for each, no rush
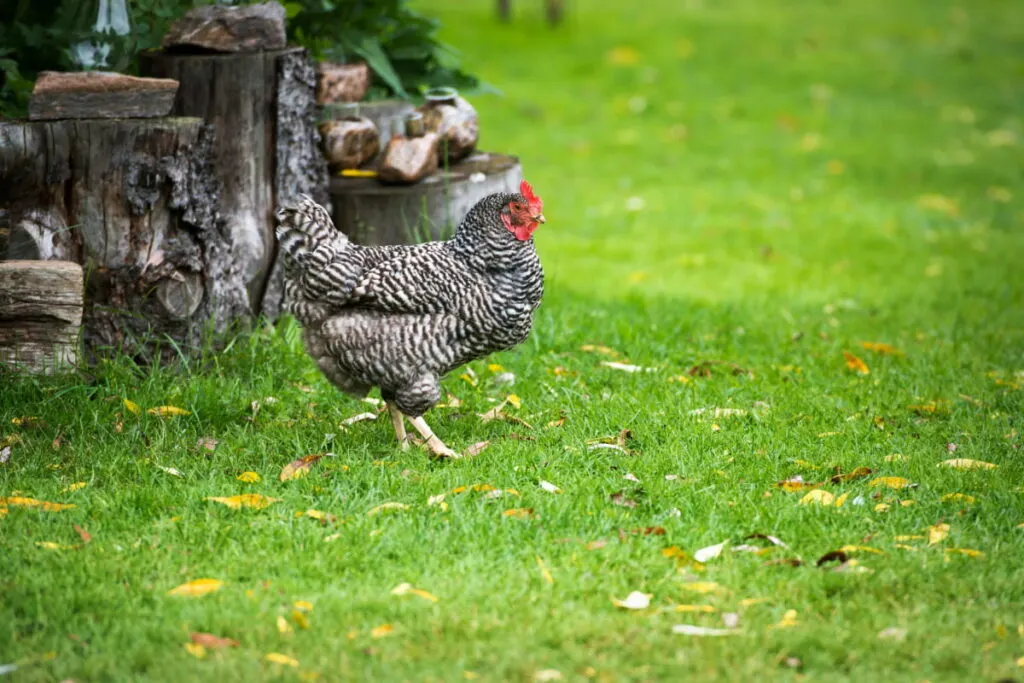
(398, 44)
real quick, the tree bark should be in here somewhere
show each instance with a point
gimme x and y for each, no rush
(371, 213)
(265, 150)
(40, 314)
(134, 201)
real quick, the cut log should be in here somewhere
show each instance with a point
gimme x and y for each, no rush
(134, 201)
(99, 95)
(266, 148)
(40, 315)
(248, 28)
(372, 213)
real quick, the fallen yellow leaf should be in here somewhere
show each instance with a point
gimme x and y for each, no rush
(544, 570)
(17, 501)
(304, 605)
(748, 602)
(904, 539)
(196, 650)
(283, 626)
(74, 487)
(622, 56)
(860, 549)
(383, 507)
(788, 620)
(248, 500)
(967, 464)
(248, 477)
(957, 498)
(196, 588)
(693, 608)
(407, 589)
(278, 658)
(381, 631)
(167, 411)
(937, 533)
(855, 364)
(300, 619)
(519, 513)
(50, 545)
(514, 401)
(940, 203)
(700, 587)
(842, 499)
(895, 457)
(132, 407)
(965, 551)
(818, 497)
(882, 507)
(880, 347)
(890, 482)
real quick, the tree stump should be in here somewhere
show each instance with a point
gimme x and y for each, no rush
(134, 201)
(40, 315)
(371, 213)
(266, 147)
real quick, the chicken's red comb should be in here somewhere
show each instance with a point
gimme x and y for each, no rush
(533, 200)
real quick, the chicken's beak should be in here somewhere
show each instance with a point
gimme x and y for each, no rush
(540, 218)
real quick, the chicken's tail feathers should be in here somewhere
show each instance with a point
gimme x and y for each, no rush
(304, 226)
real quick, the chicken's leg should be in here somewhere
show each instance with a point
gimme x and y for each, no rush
(398, 422)
(435, 444)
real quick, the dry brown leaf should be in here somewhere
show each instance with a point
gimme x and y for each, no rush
(212, 642)
(207, 443)
(83, 534)
(477, 448)
(832, 556)
(856, 364)
(45, 506)
(619, 498)
(596, 545)
(857, 473)
(299, 468)
(771, 539)
(196, 588)
(255, 501)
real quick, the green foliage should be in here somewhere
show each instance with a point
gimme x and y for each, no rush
(398, 44)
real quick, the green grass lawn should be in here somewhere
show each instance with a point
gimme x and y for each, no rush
(765, 184)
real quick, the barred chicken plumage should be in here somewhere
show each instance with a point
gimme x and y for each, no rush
(401, 317)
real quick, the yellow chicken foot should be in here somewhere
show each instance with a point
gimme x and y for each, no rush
(398, 422)
(435, 444)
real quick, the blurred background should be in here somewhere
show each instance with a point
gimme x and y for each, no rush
(692, 148)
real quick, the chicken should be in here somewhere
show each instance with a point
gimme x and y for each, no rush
(400, 317)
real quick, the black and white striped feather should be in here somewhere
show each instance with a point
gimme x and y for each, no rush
(400, 317)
